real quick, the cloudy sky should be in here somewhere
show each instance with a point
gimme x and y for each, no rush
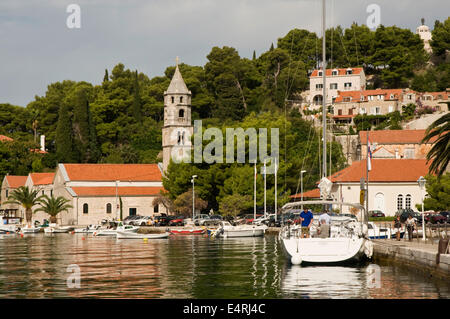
(37, 48)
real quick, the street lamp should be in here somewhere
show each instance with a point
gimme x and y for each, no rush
(422, 181)
(301, 183)
(117, 204)
(193, 196)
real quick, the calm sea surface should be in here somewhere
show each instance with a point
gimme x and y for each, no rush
(36, 266)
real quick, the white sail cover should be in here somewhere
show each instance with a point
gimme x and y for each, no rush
(325, 187)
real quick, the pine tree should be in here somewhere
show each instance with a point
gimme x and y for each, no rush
(106, 77)
(64, 147)
(137, 113)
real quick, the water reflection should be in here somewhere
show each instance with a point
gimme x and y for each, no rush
(187, 267)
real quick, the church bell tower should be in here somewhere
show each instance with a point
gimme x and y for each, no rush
(177, 129)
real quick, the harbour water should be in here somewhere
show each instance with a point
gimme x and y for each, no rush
(36, 266)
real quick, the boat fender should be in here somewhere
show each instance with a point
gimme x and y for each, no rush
(296, 259)
(368, 248)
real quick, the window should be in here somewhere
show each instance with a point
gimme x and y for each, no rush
(320, 73)
(390, 108)
(181, 99)
(51, 193)
(181, 113)
(347, 99)
(363, 110)
(6, 193)
(319, 86)
(108, 208)
(132, 211)
(408, 201)
(347, 85)
(173, 99)
(399, 202)
(339, 112)
(335, 72)
(85, 208)
(43, 192)
(179, 138)
(377, 110)
(349, 71)
(350, 111)
(156, 209)
(333, 86)
(182, 138)
(409, 153)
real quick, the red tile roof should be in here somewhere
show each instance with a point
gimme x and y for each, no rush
(4, 138)
(315, 193)
(42, 178)
(113, 172)
(340, 71)
(16, 181)
(121, 191)
(355, 96)
(384, 170)
(393, 137)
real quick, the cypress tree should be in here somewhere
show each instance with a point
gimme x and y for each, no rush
(271, 47)
(106, 77)
(81, 124)
(64, 147)
(254, 55)
(93, 151)
(137, 113)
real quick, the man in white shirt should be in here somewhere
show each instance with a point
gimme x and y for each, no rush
(325, 217)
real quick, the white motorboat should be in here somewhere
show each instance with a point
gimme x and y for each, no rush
(348, 240)
(54, 229)
(30, 230)
(226, 230)
(7, 228)
(113, 232)
(376, 232)
(131, 235)
(89, 229)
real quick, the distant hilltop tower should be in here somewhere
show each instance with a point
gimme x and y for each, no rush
(177, 129)
(425, 34)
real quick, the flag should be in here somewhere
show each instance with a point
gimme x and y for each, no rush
(369, 155)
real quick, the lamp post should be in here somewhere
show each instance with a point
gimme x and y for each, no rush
(301, 184)
(193, 196)
(422, 181)
(117, 204)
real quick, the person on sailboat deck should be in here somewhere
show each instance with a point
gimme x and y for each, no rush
(307, 218)
(324, 230)
(325, 217)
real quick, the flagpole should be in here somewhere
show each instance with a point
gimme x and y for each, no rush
(254, 194)
(367, 176)
(265, 188)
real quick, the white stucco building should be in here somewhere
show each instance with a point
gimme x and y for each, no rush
(9, 184)
(425, 34)
(350, 79)
(43, 182)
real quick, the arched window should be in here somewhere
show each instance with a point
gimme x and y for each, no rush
(181, 113)
(108, 208)
(399, 202)
(85, 208)
(408, 201)
(182, 138)
(179, 138)
(181, 99)
(173, 99)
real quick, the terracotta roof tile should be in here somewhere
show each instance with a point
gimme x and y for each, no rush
(113, 172)
(42, 178)
(4, 138)
(355, 96)
(315, 193)
(16, 181)
(384, 170)
(393, 137)
(121, 191)
(340, 71)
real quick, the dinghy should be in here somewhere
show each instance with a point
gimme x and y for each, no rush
(130, 235)
(226, 230)
(188, 231)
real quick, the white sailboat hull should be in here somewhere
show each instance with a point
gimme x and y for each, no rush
(113, 232)
(31, 230)
(326, 250)
(242, 231)
(131, 235)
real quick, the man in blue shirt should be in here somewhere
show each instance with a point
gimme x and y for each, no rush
(307, 219)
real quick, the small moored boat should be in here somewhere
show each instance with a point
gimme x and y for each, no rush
(188, 231)
(226, 230)
(131, 235)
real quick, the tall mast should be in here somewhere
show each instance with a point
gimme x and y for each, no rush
(324, 111)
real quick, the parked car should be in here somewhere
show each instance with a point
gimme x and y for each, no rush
(142, 221)
(271, 220)
(435, 219)
(199, 220)
(177, 221)
(163, 220)
(404, 213)
(213, 220)
(376, 213)
(446, 215)
(131, 218)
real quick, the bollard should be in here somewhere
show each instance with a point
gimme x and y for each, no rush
(442, 249)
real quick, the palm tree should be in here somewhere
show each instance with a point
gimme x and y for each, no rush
(53, 206)
(440, 152)
(27, 198)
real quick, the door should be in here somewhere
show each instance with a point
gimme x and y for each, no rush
(133, 211)
(379, 202)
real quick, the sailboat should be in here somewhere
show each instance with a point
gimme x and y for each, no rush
(348, 240)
